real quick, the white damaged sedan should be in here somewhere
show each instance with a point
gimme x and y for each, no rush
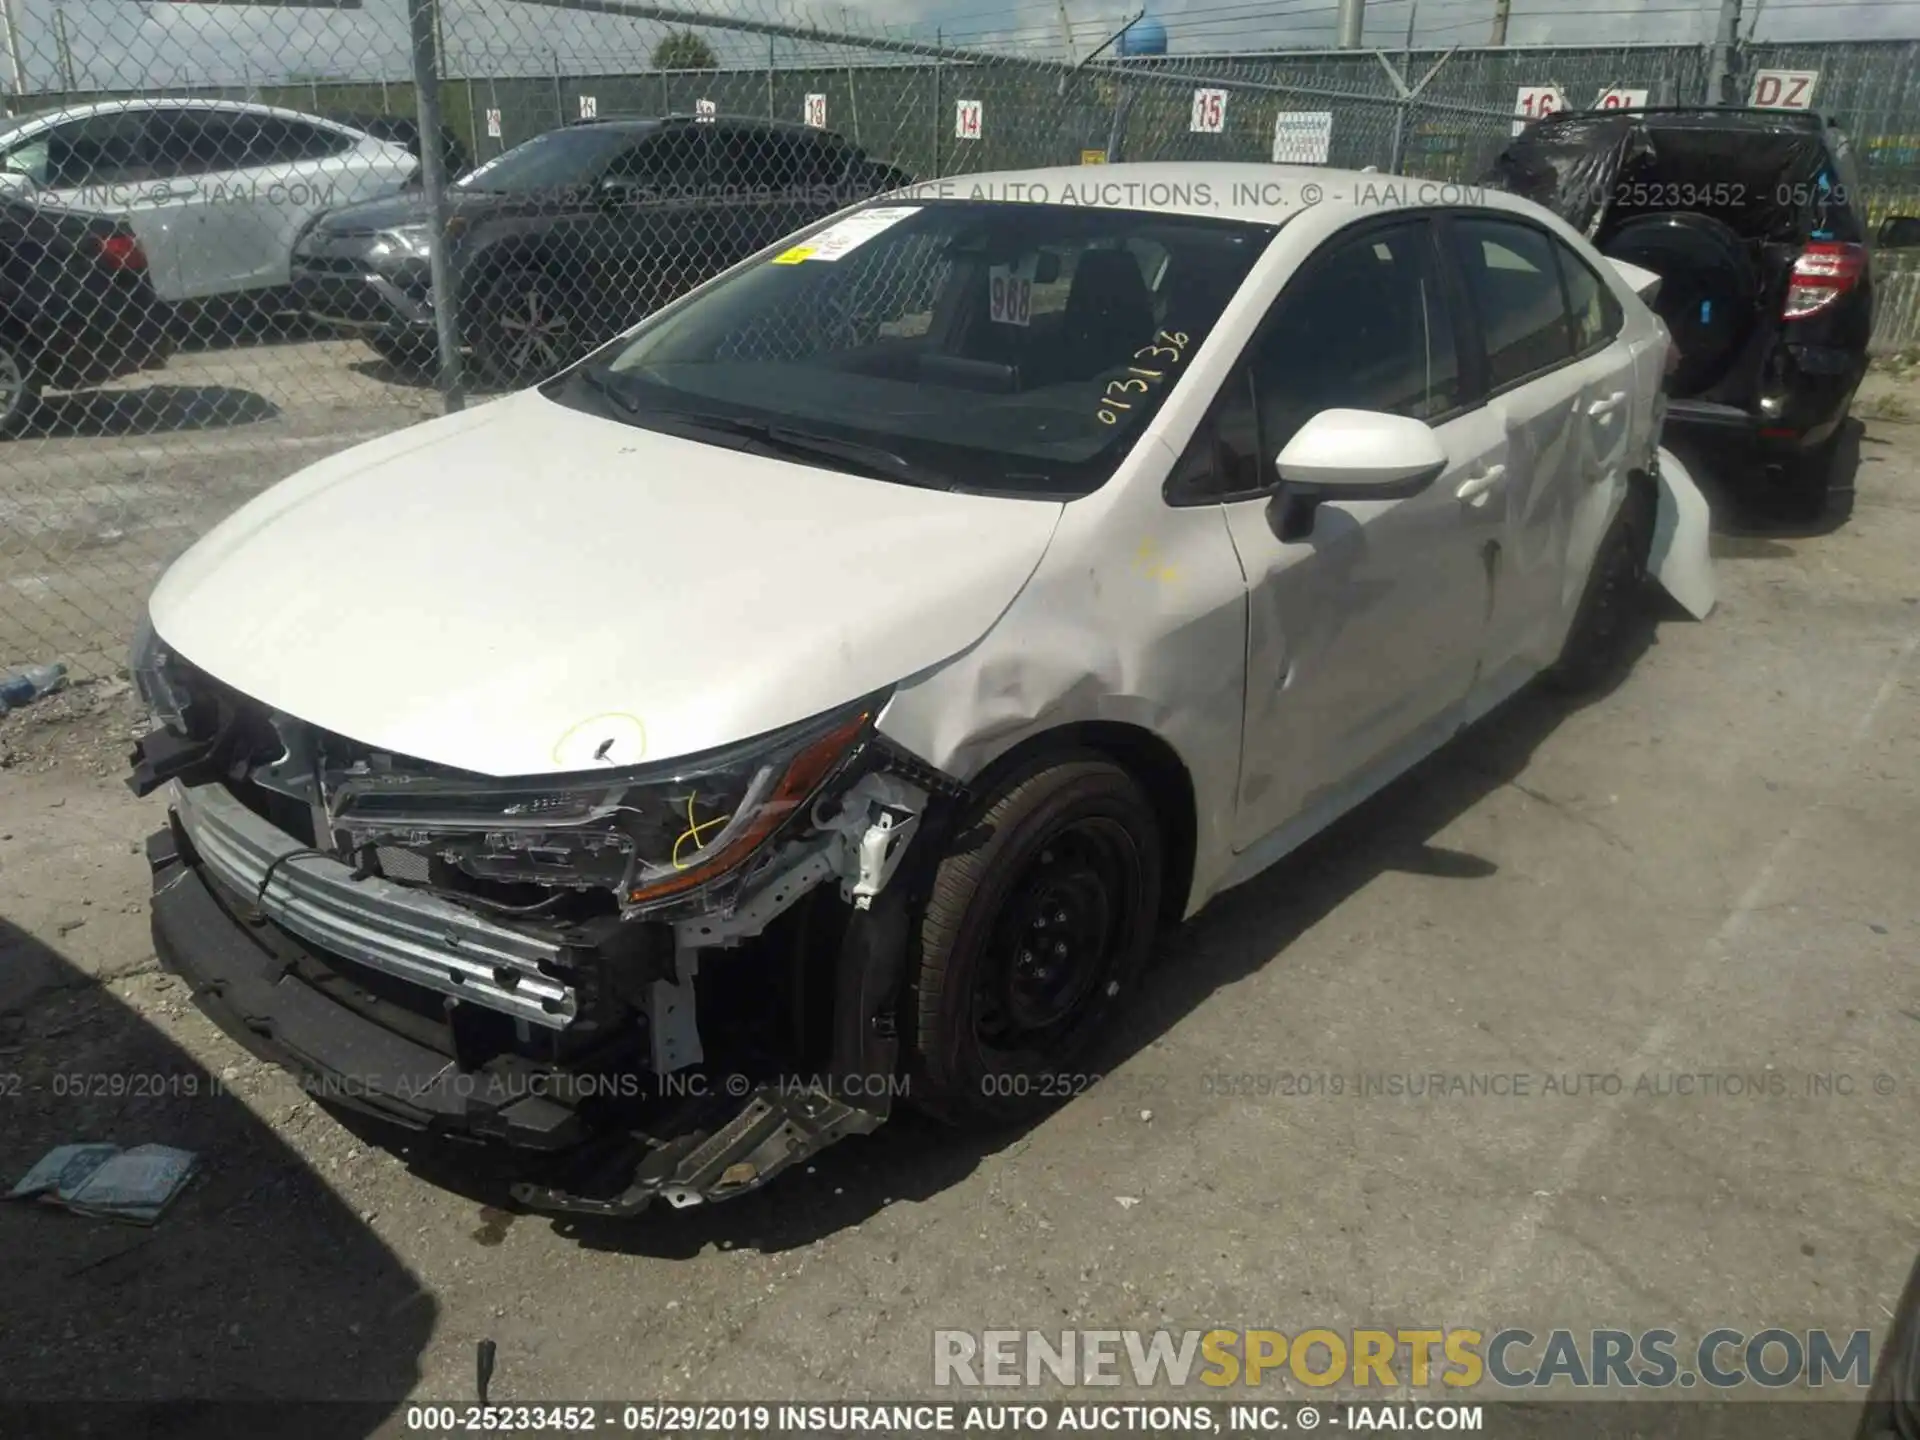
(819, 695)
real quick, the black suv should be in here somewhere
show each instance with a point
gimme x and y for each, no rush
(1755, 220)
(76, 306)
(565, 241)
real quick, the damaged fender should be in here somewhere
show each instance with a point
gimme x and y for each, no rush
(1679, 557)
(1132, 631)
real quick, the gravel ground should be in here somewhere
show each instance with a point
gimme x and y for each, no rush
(1707, 871)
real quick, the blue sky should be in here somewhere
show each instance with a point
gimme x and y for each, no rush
(126, 43)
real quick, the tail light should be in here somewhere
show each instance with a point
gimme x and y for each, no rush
(1825, 271)
(122, 252)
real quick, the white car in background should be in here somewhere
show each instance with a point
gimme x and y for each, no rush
(216, 190)
(846, 671)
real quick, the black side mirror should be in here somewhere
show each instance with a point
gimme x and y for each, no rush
(1898, 232)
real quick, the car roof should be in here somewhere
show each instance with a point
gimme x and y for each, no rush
(183, 102)
(1225, 190)
(1716, 117)
(676, 119)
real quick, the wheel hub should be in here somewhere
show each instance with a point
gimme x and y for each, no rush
(535, 330)
(1058, 931)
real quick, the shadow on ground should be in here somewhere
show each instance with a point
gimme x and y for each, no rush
(258, 1284)
(1751, 516)
(147, 410)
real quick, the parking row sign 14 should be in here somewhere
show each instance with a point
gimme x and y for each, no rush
(966, 120)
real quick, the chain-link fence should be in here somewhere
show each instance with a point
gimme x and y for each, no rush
(216, 248)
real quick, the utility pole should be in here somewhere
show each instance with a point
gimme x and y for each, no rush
(1502, 12)
(1726, 54)
(1351, 20)
(424, 33)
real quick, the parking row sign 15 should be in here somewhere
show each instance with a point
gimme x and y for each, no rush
(1209, 115)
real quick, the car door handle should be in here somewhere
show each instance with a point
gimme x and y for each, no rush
(1601, 408)
(1476, 490)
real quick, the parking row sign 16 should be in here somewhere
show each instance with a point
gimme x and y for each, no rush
(1536, 102)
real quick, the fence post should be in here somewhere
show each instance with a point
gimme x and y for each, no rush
(770, 114)
(473, 123)
(939, 40)
(16, 66)
(1726, 54)
(853, 105)
(426, 87)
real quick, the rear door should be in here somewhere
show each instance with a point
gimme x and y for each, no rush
(651, 231)
(1537, 398)
(261, 177)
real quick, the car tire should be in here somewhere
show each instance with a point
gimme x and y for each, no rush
(1709, 290)
(523, 329)
(1613, 612)
(1892, 1409)
(1038, 920)
(403, 352)
(19, 386)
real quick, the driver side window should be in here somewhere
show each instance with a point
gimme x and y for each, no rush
(1364, 325)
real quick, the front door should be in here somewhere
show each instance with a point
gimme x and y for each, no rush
(1364, 633)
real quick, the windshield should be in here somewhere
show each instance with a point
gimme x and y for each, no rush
(973, 345)
(557, 160)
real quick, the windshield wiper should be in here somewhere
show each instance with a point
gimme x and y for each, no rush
(782, 439)
(606, 384)
(872, 459)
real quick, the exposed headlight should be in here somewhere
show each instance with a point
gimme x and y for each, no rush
(651, 834)
(410, 240)
(158, 677)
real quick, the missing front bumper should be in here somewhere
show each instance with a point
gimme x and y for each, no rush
(243, 973)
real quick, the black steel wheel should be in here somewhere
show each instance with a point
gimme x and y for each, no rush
(1040, 917)
(1613, 615)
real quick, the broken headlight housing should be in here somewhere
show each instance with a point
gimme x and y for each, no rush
(652, 834)
(159, 677)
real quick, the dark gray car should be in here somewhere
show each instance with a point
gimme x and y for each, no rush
(568, 239)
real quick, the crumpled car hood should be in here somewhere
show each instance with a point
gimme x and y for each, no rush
(506, 589)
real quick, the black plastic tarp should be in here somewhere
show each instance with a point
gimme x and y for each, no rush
(1759, 176)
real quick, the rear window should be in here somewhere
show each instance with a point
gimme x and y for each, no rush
(1514, 284)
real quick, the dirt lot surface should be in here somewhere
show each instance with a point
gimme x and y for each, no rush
(1708, 872)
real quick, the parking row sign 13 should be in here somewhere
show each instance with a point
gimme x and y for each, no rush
(815, 113)
(1209, 115)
